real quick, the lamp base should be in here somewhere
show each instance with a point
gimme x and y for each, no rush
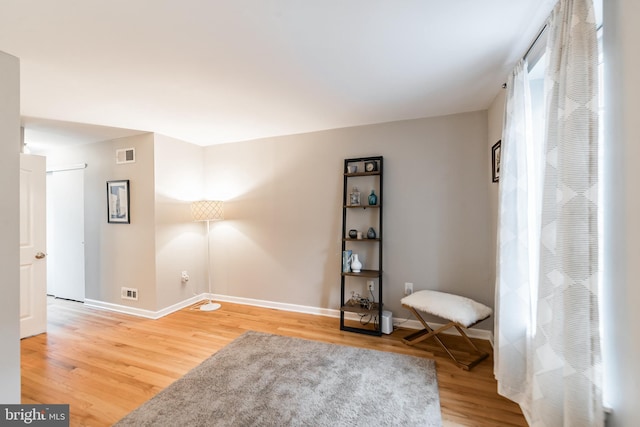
(210, 306)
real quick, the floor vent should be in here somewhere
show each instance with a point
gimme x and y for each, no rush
(129, 293)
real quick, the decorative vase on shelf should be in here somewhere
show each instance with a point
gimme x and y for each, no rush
(373, 199)
(353, 233)
(371, 234)
(356, 265)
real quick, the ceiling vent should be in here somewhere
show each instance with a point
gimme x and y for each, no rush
(126, 155)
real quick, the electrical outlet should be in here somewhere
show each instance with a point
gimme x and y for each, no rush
(370, 285)
(184, 277)
(408, 288)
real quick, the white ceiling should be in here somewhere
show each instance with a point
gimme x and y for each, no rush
(217, 71)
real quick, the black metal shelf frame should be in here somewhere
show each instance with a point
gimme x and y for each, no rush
(376, 330)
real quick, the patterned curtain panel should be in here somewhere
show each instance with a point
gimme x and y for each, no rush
(547, 326)
(566, 371)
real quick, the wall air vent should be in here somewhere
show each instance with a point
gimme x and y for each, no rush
(129, 293)
(126, 155)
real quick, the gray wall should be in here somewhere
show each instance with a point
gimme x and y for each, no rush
(9, 227)
(162, 240)
(495, 123)
(281, 237)
(180, 242)
(118, 255)
(622, 211)
(280, 241)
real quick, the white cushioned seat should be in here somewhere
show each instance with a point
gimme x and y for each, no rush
(455, 308)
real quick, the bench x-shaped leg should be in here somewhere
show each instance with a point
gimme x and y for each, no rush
(429, 332)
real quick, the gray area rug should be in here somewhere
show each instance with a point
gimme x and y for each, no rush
(269, 380)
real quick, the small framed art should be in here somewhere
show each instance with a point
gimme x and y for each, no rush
(495, 161)
(118, 202)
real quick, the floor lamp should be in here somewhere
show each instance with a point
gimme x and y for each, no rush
(208, 210)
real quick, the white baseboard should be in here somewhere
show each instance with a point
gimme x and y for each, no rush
(405, 323)
(125, 309)
(277, 305)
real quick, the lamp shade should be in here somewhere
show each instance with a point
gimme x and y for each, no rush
(207, 210)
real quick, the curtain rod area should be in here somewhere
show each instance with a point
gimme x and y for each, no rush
(535, 41)
(531, 46)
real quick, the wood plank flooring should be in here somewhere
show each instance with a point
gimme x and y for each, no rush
(106, 364)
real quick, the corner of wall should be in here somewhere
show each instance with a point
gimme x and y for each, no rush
(180, 242)
(9, 226)
(119, 255)
(495, 118)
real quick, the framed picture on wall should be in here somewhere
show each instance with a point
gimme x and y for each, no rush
(118, 202)
(495, 161)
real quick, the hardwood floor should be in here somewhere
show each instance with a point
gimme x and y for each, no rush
(106, 364)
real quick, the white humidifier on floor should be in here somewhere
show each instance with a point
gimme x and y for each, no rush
(387, 322)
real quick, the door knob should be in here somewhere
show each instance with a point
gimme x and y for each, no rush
(40, 255)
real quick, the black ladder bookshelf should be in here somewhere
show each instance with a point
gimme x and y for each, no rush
(359, 214)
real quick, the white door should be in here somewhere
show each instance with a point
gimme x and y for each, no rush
(65, 233)
(33, 264)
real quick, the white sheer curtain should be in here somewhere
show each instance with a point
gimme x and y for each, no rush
(514, 302)
(548, 358)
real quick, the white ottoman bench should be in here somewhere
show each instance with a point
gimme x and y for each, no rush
(461, 312)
